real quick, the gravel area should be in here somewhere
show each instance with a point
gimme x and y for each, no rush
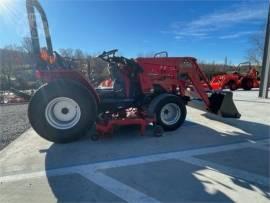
(13, 122)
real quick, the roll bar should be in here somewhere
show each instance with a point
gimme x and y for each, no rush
(243, 63)
(159, 54)
(31, 6)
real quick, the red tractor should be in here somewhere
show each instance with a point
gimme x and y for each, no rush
(142, 91)
(240, 78)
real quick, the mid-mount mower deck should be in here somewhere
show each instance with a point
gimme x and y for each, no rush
(144, 90)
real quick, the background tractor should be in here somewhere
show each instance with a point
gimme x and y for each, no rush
(245, 76)
(139, 92)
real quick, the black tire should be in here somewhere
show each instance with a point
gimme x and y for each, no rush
(156, 106)
(247, 84)
(62, 89)
(232, 85)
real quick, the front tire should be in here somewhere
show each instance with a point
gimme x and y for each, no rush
(247, 84)
(232, 85)
(170, 111)
(62, 111)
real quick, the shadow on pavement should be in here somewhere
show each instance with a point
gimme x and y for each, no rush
(126, 143)
(256, 130)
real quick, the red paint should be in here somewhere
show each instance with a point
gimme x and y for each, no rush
(51, 75)
(174, 75)
(168, 73)
(223, 81)
(107, 127)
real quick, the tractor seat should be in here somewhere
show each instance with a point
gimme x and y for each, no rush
(116, 103)
(112, 100)
(106, 93)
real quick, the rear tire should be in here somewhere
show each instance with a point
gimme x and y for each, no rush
(62, 111)
(170, 111)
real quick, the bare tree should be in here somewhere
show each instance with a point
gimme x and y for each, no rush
(10, 59)
(78, 54)
(26, 45)
(255, 53)
(67, 52)
(27, 48)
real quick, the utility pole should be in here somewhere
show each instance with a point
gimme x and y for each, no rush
(265, 78)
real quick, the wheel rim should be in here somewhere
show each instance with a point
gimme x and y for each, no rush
(62, 113)
(170, 114)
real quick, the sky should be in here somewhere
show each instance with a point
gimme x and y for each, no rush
(208, 30)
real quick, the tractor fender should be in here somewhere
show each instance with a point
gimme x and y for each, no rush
(51, 75)
(153, 104)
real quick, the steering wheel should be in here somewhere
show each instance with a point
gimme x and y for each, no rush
(107, 54)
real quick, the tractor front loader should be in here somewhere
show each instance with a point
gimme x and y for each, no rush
(144, 90)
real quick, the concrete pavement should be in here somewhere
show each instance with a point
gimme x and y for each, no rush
(208, 159)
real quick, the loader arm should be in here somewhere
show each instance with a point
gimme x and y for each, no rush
(218, 102)
(196, 77)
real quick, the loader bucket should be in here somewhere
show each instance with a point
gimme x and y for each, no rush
(222, 103)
